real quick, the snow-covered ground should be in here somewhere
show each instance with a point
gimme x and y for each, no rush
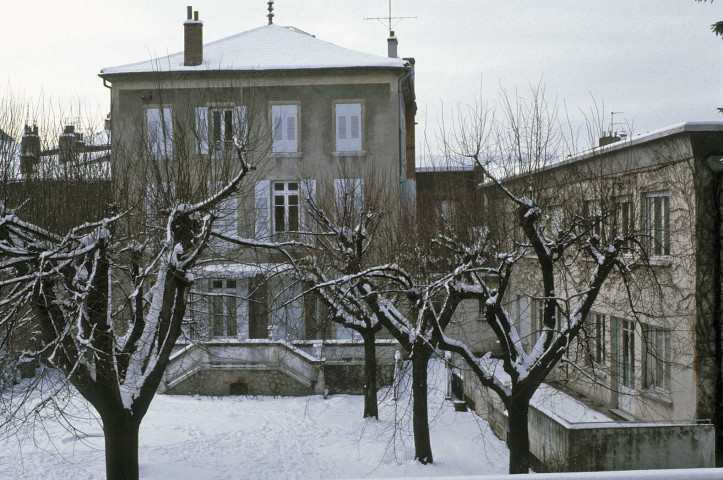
(263, 437)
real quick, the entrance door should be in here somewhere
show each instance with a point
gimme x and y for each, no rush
(258, 308)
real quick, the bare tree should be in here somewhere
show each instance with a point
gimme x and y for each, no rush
(112, 350)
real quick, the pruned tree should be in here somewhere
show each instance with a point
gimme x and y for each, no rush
(569, 262)
(110, 337)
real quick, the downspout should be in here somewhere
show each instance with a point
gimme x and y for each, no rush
(400, 111)
(716, 165)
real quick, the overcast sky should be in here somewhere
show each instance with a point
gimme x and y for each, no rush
(654, 60)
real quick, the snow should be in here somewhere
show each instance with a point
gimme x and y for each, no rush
(271, 47)
(184, 437)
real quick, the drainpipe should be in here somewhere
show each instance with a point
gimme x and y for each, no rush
(715, 163)
(400, 111)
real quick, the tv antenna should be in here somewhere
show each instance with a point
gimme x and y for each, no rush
(388, 21)
(612, 121)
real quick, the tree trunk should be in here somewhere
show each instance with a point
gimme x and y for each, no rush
(371, 409)
(518, 440)
(420, 419)
(121, 445)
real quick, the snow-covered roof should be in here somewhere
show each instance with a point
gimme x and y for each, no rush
(271, 47)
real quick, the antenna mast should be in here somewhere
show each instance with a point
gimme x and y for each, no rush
(389, 18)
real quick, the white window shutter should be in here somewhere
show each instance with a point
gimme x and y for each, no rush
(358, 195)
(291, 135)
(262, 202)
(348, 127)
(277, 132)
(240, 124)
(167, 115)
(307, 195)
(202, 130)
(355, 134)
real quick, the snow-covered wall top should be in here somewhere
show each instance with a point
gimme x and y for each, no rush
(271, 47)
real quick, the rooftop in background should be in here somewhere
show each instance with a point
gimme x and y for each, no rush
(271, 47)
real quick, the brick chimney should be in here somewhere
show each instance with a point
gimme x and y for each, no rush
(67, 145)
(29, 150)
(392, 44)
(192, 39)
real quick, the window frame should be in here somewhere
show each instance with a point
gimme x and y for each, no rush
(657, 239)
(335, 127)
(657, 357)
(287, 193)
(166, 143)
(223, 308)
(287, 148)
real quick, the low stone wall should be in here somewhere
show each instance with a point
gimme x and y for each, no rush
(269, 367)
(559, 446)
(241, 382)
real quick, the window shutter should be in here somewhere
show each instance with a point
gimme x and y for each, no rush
(307, 195)
(262, 200)
(202, 130)
(167, 116)
(277, 132)
(240, 124)
(355, 137)
(291, 136)
(348, 127)
(358, 196)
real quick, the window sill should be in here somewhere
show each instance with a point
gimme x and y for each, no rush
(287, 154)
(661, 261)
(658, 395)
(356, 153)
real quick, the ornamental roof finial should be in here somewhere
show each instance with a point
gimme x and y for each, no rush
(271, 12)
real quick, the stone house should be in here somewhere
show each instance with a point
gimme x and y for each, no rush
(317, 121)
(640, 388)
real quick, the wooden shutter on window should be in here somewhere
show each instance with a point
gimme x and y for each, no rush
(240, 124)
(159, 131)
(284, 121)
(348, 127)
(202, 130)
(262, 200)
(307, 194)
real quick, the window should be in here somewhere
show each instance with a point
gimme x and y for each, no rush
(258, 308)
(623, 219)
(348, 127)
(286, 207)
(627, 353)
(348, 199)
(316, 325)
(538, 318)
(284, 124)
(554, 219)
(223, 308)
(592, 215)
(221, 129)
(448, 209)
(656, 214)
(596, 338)
(657, 357)
(216, 127)
(159, 131)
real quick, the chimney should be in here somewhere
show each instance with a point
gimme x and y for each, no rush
(392, 44)
(608, 139)
(192, 39)
(29, 150)
(67, 144)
